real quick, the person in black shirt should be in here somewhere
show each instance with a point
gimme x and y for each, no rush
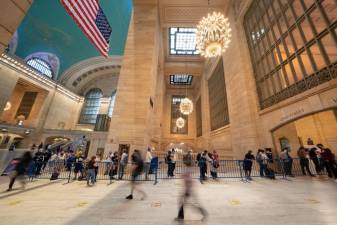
(136, 170)
(248, 163)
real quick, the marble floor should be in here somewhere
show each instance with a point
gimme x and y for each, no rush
(261, 202)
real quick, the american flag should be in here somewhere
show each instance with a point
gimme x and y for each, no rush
(89, 16)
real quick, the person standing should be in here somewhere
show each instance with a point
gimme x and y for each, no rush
(20, 170)
(287, 162)
(262, 160)
(92, 165)
(188, 195)
(214, 165)
(168, 160)
(304, 161)
(329, 163)
(174, 161)
(136, 170)
(202, 163)
(248, 163)
(38, 161)
(78, 168)
(122, 164)
(314, 158)
(148, 158)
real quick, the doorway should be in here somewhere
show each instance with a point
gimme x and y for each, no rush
(317, 128)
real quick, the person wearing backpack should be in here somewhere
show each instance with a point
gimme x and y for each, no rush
(214, 165)
(122, 164)
(136, 170)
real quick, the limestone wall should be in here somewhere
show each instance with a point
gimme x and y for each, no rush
(129, 124)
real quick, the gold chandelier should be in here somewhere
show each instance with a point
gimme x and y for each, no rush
(186, 106)
(213, 35)
(180, 122)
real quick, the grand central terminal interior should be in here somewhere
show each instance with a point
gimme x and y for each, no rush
(168, 80)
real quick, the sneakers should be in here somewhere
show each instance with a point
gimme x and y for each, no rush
(129, 197)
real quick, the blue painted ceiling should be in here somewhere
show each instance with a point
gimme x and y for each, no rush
(48, 27)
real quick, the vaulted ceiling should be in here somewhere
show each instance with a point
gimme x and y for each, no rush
(47, 27)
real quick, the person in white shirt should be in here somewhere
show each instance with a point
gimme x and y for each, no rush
(122, 164)
(147, 163)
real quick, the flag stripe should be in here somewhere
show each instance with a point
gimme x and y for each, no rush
(73, 13)
(94, 4)
(92, 25)
(87, 25)
(90, 9)
(91, 19)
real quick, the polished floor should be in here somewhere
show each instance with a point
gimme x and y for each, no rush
(261, 202)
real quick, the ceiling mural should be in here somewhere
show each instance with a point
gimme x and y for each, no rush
(47, 27)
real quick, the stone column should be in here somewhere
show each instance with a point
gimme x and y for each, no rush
(131, 122)
(241, 91)
(11, 14)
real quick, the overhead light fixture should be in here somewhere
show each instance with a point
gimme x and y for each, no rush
(180, 122)
(213, 35)
(186, 106)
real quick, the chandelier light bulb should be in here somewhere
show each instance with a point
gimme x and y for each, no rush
(180, 122)
(213, 35)
(186, 106)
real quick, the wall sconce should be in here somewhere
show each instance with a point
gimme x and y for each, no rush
(8, 106)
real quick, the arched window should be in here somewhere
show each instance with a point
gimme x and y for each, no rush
(41, 66)
(112, 103)
(91, 106)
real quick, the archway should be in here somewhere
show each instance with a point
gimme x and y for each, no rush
(308, 130)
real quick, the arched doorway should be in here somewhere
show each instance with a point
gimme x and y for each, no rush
(319, 127)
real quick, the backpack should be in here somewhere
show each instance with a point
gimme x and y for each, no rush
(216, 164)
(54, 175)
(270, 173)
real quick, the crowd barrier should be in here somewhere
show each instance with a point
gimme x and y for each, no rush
(226, 169)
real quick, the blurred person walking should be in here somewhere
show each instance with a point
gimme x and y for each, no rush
(20, 170)
(188, 196)
(136, 170)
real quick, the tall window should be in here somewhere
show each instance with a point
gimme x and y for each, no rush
(293, 46)
(112, 103)
(26, 104)
(41, 66)
(181, 79)
(182, 41)
(175, 114)
(91, 106)
(198, 117)
(218, 107)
